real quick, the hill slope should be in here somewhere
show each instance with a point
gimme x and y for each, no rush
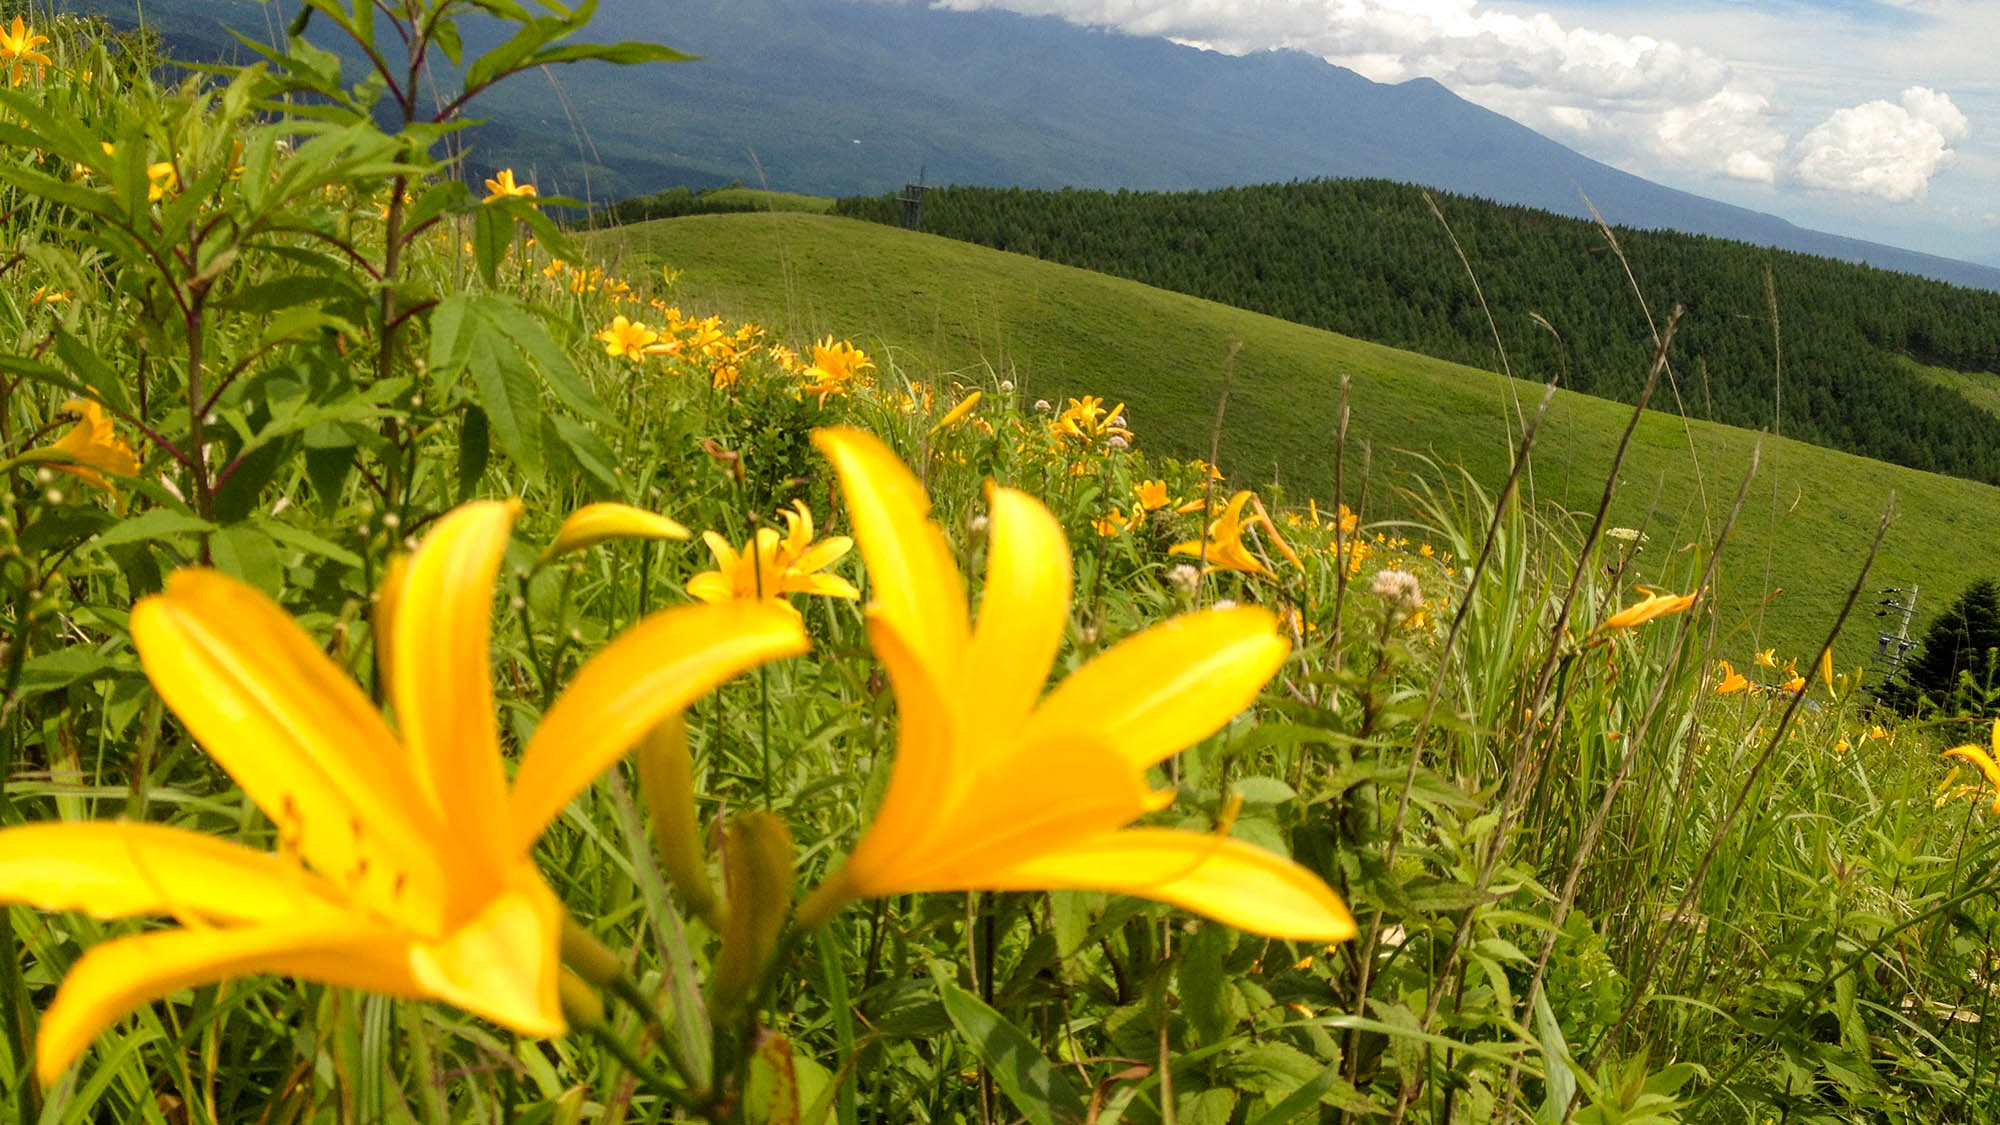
(935, 305)
(1370, 259)
(839, 97)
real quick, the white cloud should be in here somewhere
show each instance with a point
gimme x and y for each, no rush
(1880, 148)
(1730, 131)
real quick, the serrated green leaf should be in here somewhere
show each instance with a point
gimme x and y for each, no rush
(1038, 1091)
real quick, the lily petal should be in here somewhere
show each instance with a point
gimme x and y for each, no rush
(109, 869)
(916, 585)
(1168, 687)
(1223, 878)
(652, 670)
(292, 729)
(1022, 611)
(443, 683)
(503, 964)
(116, 977)
(927, 774)
(596, 523)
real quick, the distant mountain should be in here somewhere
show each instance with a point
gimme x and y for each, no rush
(839, 97)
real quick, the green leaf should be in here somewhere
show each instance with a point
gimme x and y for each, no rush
(587, 450)
(475, 447)
(513, 405)
(244, 551)
(628, 53)
(63, 667)
(1204, 984)
(301, 539)
(156, 524)
(1039, 1092)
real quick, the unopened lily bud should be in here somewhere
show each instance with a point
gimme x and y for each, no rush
(666, 784)
(582, 1004)
(569, 1107)
(757, 867)
(592, 960)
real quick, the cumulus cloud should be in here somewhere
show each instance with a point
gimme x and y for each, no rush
(1729, 132)
(1644, 102)
(1459, 42)
(1885, 149)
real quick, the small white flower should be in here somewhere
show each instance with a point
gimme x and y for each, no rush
(1042, 406)
(1226, 603)
(1399, 588)
(1007, 385)
(1185, 577)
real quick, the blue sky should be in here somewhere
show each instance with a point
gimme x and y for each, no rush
(1873, 118)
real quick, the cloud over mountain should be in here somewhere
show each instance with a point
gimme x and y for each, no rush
(1882, 148)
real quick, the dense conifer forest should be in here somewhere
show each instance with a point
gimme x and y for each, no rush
(1368, 258)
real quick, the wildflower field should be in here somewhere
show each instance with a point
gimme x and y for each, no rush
(449, 677)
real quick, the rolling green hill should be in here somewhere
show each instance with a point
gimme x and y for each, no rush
(931, 305)
(1371, 259)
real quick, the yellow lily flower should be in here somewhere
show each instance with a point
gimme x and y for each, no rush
(162, 180)
(1224, 545)
(996, 787)
(1793, 680)
(17, 48)
(1732, 680)
(1978, 756)
(403, 862)
(1653, 605)
(957, 413)
(627, 338)
(775, 567)
(1152, 495)
(835, 369)
(1767, 658)
(502, 186)
(1826, 668)
(595, 523)
(93, 444)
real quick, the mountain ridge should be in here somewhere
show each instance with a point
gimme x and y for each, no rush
(845, 97)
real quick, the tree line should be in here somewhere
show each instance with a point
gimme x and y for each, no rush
(1809, 347)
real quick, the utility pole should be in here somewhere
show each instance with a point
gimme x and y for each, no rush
(1892, 648)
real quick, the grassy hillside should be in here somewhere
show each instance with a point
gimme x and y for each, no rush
(934, 304)
(1370, 259)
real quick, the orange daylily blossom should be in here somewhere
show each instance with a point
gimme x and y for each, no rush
(1826, 668)
(1984, 760)
(774, 567)
(17, 49)
(1732, 680)
(502, 186)
(1767, 658)
(627, 338)
(1223, 549)
(998, 787)
(1653, 605)
(957, 413)
(403, 860)
(835, 369)
(1152, 495)
(93, 444)
(1793, 680)
(597, 523)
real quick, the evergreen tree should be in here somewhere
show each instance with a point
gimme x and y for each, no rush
(1956, 669)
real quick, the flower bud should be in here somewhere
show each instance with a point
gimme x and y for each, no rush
(591, 959)
(582, 1005)
(757, 868)
(666, 784)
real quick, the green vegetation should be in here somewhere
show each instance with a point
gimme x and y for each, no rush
(1369, 259)
(373, 749)
(676, 202)
(938, 305)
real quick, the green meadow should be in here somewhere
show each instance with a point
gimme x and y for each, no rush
(750, 670)
(933, 304)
